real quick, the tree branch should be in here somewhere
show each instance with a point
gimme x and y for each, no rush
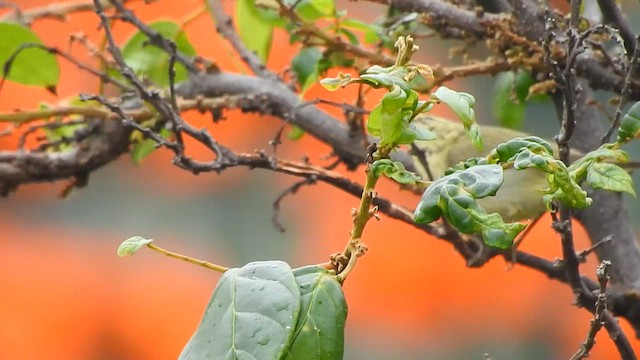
(613, 16)
(224, 25)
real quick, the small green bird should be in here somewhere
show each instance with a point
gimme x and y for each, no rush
(518, 198)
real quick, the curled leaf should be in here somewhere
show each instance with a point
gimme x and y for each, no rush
(394, 170)
(131, 245)
(630, 125)
(333, 84)
(462, 104)
(454, 197)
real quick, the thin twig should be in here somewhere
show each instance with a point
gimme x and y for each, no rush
(291, 190)
(155, 38)
(582, 255)
(601, 306)
(422, 159)
(224, 25)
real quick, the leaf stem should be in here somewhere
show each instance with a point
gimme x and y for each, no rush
(422, 107)
(188, 259)
(355, 248)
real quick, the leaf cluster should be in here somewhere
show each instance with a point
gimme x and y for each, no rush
(454, 195)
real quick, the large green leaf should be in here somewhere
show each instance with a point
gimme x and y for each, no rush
(33, 66)
(305, 66)
(252, 315)
(150, 61)
(255, 31)
(319, 333)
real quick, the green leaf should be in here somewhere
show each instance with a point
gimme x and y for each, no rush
(630, 124)
(370, 30)
(478, 181)
(62, 132)
(463, 165)
(312, 10)
(305, 66)
(255, 31)
(252, 315)
(32, 66)
(506, 152)
(319, 332)
(340, 59)
(394, 170)
(144, 148)
(152, 62)
(389, 77)
(462, 104)
(353, 39)
(563, 187)
(509, 103)
(56, 130)
(610, 177)
(296, 133)
(132, 245)
(454, 197)
(390, 120)
(374, 121)
(580, 167)
(533, 152)
(391, 115)
(495, 232)
(333, 84)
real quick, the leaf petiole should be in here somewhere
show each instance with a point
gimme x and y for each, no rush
(188, 259)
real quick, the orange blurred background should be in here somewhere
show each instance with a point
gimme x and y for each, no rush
(65, 294)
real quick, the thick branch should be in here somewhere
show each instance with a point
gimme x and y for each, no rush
(26, 167)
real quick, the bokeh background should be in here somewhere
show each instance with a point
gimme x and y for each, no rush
(65, 295)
